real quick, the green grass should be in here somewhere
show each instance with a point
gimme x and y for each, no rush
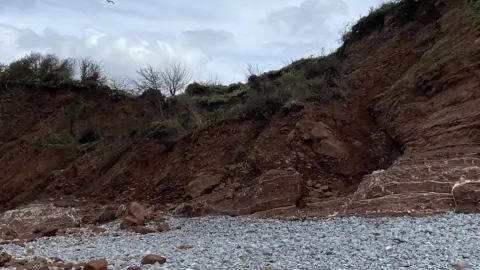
(64, 138)
(476, 12)
(222, 97)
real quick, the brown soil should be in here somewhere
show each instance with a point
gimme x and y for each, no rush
(408, 137)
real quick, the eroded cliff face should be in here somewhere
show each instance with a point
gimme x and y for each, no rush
(406, 143)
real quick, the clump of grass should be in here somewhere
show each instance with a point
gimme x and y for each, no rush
(223, 97)
(165, 132)
(64, 138)
(476, 12)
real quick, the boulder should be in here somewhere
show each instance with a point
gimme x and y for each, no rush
(46, 231)
(467, 197)
(324, 139)
(143, 230)
(135, 216)
(101, 264)
(203, 184)
(152, 259)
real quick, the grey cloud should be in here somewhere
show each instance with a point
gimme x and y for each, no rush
(18, 4)
(309, 17)
(207, 37)
(120, 56)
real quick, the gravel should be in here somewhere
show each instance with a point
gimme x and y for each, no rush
(437, 242)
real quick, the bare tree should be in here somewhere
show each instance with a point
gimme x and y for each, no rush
(120, 84)
(91, 71)
(212, 81)
(252, 70)
(175, 78)
(151, 79)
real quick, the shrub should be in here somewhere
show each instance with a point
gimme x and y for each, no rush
(263, 99)
(165, 132)
(90, 136)
(38, 68)
(376, 18)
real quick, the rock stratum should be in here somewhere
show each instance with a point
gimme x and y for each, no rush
(406, 143)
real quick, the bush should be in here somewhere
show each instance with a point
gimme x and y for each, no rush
(38, 68)
(376, 17)
(49, 70)
(263, 99)
(165, 132)
(90, 136)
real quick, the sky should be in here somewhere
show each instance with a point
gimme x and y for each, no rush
(215, 39)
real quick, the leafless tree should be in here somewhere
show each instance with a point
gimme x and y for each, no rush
(252, 70)
(120, 84)
(151, 79)
(212, 81)
(91, 71)
(175, 78)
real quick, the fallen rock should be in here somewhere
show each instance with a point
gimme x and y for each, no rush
(135, 216)
(101, 264)
(46, 231)
(324, 138)
(55, 259)
(106, 214)
(152, 259)
(143, 230)
(31, 251)
(467, 197)
(21, 262)
(332, 147)
(203, 184)
(163, 227)
(134, 268)
(13, 265)
(99, 230)
(185, 246)
(273, 189)
(38, 261)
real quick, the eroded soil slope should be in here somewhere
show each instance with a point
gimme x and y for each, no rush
(407, 142)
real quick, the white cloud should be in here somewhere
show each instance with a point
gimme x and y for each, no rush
(213, 37)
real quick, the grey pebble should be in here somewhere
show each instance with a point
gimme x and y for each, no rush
(241, 243)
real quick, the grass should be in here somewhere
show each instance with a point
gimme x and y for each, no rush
(220, 97)
(64, 138)
(476, 12)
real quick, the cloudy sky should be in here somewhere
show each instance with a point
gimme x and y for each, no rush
(215, 38)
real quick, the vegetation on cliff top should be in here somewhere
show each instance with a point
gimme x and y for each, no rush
(185, 106)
